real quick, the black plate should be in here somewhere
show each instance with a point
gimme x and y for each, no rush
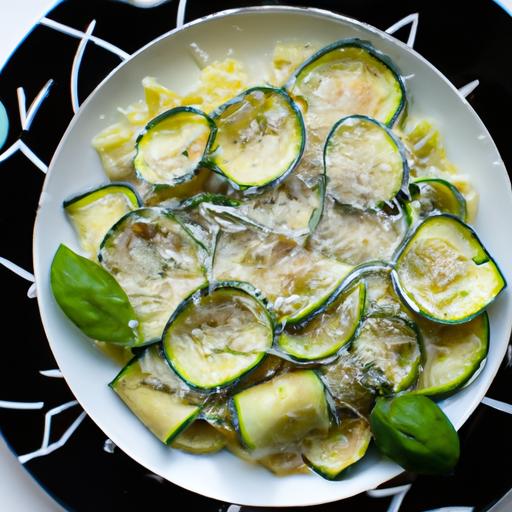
(466, 40)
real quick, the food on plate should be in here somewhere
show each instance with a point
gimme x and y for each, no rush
(285, 262)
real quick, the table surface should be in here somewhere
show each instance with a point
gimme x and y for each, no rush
(18, 490)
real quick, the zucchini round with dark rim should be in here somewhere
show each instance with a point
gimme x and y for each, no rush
(389, 349)
(218, 334)
(164, 413)
(259, 140)
(292, 208)
(281, 411)
(330, 455)
(444, 272)
(171, 147)
(434, 195)
(345, 380)
(356, 236)
(345, 78)
(96, 211)
(327, 333)
(156, 261)
(451, 354)
(381, 298)
(297, 282)
(365, 162)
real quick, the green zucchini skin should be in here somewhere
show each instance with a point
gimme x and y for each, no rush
(402, 189)
(131, 193)
(151, 125)
(243, 217)
(371, 50)
(454, 385)
(388, 386)
(360, 288)
(165, 211)
(323, 416)
(125, 371)
(400, 289)
(196, 246)
(209, 161)
(415, 191)
(104, 205)
(344, 468)
(193, 298)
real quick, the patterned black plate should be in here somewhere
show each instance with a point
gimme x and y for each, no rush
(468, 41)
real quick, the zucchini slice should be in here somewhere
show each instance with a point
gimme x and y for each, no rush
(344, 445)
(95, 212)
(345, 381)
(345, 78)
(259, 140)
(327, 333)
(156, 261)
(381, 298)
(365, 162)
(292, 208)
(282, 411)
(452, 354)
(171, 147)
(207, 197)
(218, 334)
(389, 347)
(434, 195)
(163, 412)
(355, 236)
(298, 282)
(199, 438)
(444, 273)
(285, 463)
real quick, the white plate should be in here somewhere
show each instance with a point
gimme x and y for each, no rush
(250, 35)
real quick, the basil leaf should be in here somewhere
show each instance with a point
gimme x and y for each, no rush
(92, 299)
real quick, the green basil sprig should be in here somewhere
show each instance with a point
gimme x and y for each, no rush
(92, 299)
(414, 432)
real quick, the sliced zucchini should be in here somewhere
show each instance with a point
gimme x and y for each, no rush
(292, 208)
(259, 140)
(280, 463)
(434, 195)
(218, 334)
(381, 298)
(156, 261)
(365, 162)
(199, 438)
(171, 147)
(164, 413)
(444, 273)
(297, 281)
(345, 78)
(282, 411)
(207, 197)
(344, 445)
(285, 463)
(452, 354)
(327, 333)
(345, 379)
(389, 347)
(96, 211)
(357, 236)
(161, 376)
